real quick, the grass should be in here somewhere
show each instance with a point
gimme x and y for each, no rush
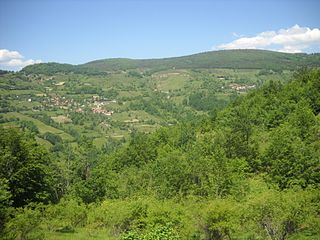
(172, 83)
(61, 119)
(79, 234)
(139, 114)
(39, 140)
(129, 94)
(99, 142)
(43, 128)
(20, 92)
(146, 128)
(86, 233)
(43, 142)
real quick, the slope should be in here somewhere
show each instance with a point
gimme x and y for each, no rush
(238, 59)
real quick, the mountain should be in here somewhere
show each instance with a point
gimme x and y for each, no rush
(249, 171)
(247, 59)
(238, 59)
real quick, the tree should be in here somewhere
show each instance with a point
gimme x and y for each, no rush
(289, 160)
(276, 215)
(221, 220)
(25, 166)
(5, 202)
(238, 127)
(170, 173)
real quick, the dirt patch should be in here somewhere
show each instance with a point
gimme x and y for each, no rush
(61, 119)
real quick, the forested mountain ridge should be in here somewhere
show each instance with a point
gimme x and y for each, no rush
(233, 59)
(249, 171)
(238, 59)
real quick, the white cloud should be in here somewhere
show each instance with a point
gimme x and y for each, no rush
(292, 40)
(7, 55)
(236, 35)
(13, 60)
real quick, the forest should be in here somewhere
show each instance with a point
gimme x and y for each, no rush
(231, 59)
(248, 169)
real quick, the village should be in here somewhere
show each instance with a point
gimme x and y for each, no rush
(96, 104)
(241, 88)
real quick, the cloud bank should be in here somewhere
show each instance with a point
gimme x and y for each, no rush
(291, 40)
(13, 60)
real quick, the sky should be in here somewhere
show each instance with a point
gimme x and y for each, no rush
(78, 31)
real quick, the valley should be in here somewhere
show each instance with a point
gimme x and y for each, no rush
(111, 105)
(143, 150)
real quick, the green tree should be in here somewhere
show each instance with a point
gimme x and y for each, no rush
(276, 215)
(289, 160)
(25, 166)
(170, 173)
(5, 202)
(222, 220)
(25, 225)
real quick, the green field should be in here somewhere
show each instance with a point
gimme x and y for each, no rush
(138, 101)
(43, 128)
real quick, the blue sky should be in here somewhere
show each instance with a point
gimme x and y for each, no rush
(78, 31)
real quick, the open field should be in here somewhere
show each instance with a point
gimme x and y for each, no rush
(43, 128)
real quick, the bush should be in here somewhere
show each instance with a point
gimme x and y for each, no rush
(66, 215)
(25, 225)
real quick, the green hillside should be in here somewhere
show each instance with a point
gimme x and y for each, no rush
(238, 59)
(212, 146)
(52, 68)
(111, 106)
(247, 171)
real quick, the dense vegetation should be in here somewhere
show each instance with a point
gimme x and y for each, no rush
(247, 171)
(233, 59)
(53, 68)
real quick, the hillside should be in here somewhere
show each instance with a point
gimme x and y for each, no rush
(106, 107)
(182, 148)
(249, 171)
(236, 59)
(239, 59)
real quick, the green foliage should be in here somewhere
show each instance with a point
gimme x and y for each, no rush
(157, 233)
(5, 202)
(221, 220)
(87, 90)
(134, 74)
(263, 213)
(29, 125)
(25, 225)
(25, 166)
(68, 214)
(239, 59)
(289, 160)
(53, 68)
(277, 215)
(139, 151)
(171, 173)
(205, 101)
(250, 171)
(52, 138)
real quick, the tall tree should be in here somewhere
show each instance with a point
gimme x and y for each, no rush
(25, 165)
